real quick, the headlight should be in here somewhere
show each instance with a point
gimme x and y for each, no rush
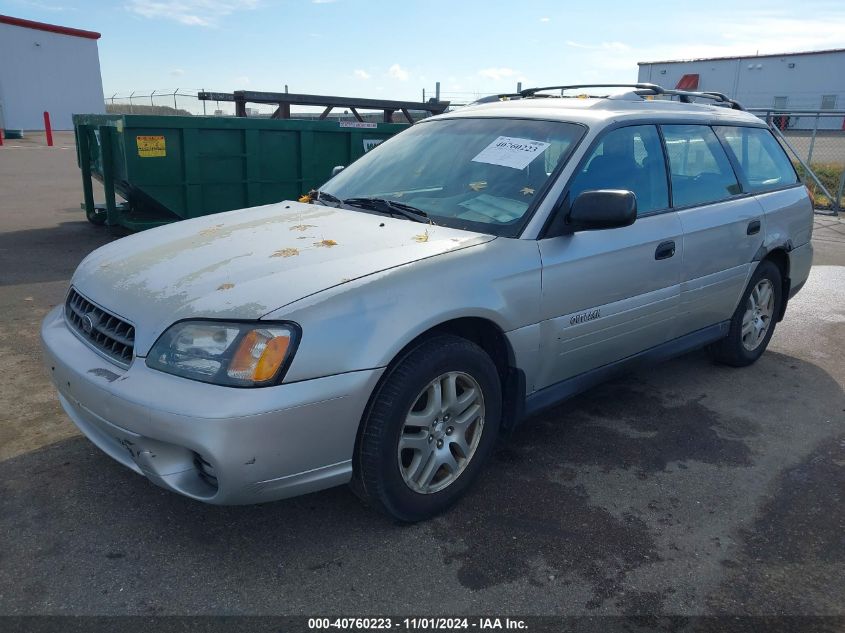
(226, 353)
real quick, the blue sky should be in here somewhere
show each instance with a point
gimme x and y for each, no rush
(395, 49)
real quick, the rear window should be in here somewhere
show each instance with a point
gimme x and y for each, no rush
(763, 162)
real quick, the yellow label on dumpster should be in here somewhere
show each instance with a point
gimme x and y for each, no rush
(151, 146)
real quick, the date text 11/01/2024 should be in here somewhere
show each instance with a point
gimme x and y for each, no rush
(417, 624)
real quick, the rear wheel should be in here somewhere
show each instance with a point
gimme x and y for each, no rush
(753, 323)
(430, 427)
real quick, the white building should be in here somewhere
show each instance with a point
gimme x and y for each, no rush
(787, 82)
(44, 67)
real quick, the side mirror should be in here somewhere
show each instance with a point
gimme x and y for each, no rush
(603, 209)
(337, 169)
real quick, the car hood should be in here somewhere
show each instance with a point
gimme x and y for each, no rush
(245, 264)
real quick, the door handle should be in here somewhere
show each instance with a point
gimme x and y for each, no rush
(665, 250)
(753, 227)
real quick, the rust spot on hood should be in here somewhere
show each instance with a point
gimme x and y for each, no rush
(211, 230)
(286, 252)
(325, 243)
(226, 286)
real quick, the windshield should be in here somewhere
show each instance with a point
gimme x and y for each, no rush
(477, 174)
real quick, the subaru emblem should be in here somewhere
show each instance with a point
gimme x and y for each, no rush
(88, 323)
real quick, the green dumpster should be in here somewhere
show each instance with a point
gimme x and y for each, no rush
(170, 168)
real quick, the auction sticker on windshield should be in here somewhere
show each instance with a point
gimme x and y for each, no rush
(509, 151)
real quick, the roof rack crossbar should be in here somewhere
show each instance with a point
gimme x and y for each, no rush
(686, 96)
(641, 89)
(529, 92)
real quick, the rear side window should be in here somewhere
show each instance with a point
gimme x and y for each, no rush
(699, 168)
(627, 158)
(764, 163)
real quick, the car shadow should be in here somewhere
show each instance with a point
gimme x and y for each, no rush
(50, 254)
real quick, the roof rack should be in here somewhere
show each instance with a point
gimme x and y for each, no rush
(686, 96)
(530, 92)
(641, 89)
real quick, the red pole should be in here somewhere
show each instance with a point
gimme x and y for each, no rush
(48, 129)
(1, 135)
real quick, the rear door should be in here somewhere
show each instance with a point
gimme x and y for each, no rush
(722, 226)
(609, 294)
(765, 171)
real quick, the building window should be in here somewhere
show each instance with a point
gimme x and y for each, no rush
(779, 103)
(828, 102)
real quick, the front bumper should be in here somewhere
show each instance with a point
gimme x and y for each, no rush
(220, 445)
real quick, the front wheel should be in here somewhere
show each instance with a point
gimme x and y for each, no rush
(430, 427)
(753, 322)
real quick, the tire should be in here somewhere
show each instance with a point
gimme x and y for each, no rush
(745, 343)
(418, 480)
(97, 217)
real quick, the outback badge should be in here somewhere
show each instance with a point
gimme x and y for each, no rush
(584, 317)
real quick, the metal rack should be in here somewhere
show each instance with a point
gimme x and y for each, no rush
(284, 100)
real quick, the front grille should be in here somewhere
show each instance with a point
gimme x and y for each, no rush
(108, 334)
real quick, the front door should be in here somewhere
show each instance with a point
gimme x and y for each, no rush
(609, 294)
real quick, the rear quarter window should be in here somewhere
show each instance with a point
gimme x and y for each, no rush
(763, 163)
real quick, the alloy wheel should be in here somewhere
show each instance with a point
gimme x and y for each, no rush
(759, 310)
(441, 432)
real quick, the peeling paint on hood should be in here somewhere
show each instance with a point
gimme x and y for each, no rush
(229, 265)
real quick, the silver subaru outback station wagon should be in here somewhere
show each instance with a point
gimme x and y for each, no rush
(476, 268)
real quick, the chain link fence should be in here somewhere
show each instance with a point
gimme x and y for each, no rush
(815, 141)
(174, 101)
(184, 102)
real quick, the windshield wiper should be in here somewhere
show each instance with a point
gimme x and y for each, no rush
(390, 207)
(323, 196)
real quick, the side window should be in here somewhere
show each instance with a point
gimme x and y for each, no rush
(700, 169)
(763, 161)
(628, 158)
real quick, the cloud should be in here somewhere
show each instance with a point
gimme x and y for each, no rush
(243, 80)
(360, 74)
(748, 33)
(545, 19)
(323, 1)
(776, 34)
(177, 72)
(205, 13)
(397, 72)
(497, 74)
